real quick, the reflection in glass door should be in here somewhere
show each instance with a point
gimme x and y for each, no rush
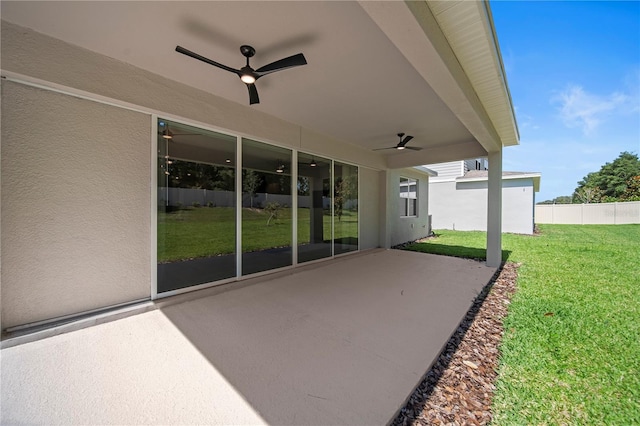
(314, 207)
(196, 206)
(345, 208)
(266, 207)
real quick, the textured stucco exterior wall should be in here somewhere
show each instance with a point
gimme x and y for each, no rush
(369, 212)
(403, 229)
(75, 205)
(463, 205)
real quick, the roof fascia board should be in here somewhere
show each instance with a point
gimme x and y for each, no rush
(468, 27)
(413, 29)
(486, 12)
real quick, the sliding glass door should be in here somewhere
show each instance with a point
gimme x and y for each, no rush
(199, 239)
(266, 207)
(314, 208)
(196, 206)
(345, 208)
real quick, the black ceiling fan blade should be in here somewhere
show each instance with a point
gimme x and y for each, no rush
(413, 148)
(380, 149)
(194, 55)
(405, 140)
(282, 64)
(253, 94)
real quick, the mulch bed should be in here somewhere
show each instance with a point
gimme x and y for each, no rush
(459, 387)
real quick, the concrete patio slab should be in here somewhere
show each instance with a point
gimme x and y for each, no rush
(338, 342)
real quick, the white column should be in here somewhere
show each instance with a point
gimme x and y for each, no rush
(494, 210)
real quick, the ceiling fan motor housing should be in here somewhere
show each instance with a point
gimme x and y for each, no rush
(247, 51)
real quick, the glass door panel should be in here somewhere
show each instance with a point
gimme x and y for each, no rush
(345, 208)
(196, 206)
(314, 208)
(266, 207)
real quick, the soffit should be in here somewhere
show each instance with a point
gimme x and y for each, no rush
(468, 27)
(357, 87)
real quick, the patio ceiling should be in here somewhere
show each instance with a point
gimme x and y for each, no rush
(374, 68)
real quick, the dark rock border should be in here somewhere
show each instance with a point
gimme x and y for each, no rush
(458, 389)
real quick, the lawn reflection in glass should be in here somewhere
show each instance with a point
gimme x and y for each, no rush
(196, 206)
(266, 207)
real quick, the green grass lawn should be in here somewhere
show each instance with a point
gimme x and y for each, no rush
(571, 350)
(203, 231)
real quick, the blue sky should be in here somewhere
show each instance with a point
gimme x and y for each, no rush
(573, 69)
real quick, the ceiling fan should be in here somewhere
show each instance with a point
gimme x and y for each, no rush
(247, 74)
(402, 144)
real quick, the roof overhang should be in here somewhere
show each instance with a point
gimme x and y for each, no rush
(430, 69)
(535, 177)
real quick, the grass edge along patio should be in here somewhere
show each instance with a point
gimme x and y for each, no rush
(571, 348)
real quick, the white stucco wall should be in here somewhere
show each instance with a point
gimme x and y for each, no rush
(76, 174)
(404, 229)
(463, 205)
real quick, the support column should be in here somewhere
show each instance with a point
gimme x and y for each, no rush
(494, 210)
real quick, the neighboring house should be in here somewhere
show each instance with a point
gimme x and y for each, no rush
(131, 172)
(458, 197)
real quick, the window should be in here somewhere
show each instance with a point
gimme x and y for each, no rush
(408, 197)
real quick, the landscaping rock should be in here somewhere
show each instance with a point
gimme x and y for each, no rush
(459, 387)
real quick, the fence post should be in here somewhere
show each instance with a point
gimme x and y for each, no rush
(615, 213)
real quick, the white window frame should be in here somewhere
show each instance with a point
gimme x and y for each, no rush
(408, 196)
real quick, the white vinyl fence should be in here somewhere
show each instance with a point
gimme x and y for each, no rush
(203, 197)
(589, 214)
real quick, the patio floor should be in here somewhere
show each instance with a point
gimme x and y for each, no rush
(341, 342)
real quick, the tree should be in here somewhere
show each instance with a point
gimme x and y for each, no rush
(250, 185)
(273, 209)
(587, 195)
(632, 193)
(563, 199)
(304, 185)
(612, 178)
(345, 188)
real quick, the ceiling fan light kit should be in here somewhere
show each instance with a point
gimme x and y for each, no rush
(247, 74)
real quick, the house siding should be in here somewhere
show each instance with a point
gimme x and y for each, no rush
(447, 171)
